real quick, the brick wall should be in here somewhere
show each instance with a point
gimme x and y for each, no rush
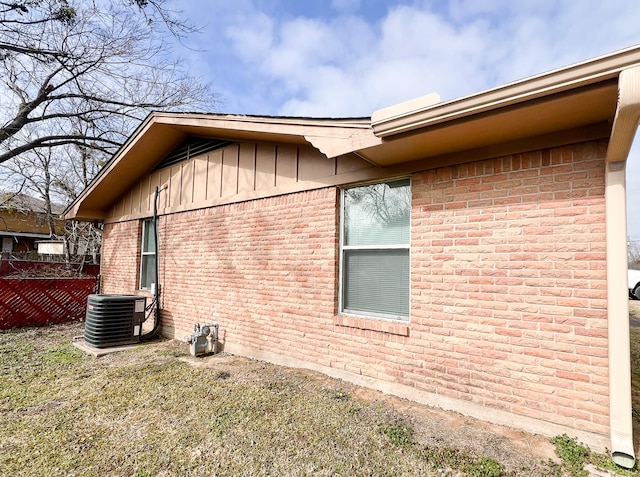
(120, 257)
(264, 269)
(509, 284)
(508, 298)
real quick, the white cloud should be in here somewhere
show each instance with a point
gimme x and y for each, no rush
(267, 60)
(251, 35)
(379, 65)
(412, 51)
(350, 57)
(303, 45)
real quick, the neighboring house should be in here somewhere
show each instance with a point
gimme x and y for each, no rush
(51, 247)
(469, 254)
(23, 222)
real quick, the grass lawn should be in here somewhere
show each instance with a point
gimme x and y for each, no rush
(154, 411)
(634, 311)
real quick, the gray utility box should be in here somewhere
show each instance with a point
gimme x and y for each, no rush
(114, 320)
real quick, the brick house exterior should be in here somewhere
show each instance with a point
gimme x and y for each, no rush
(511, 278)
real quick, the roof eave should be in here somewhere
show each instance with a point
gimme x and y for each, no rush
(10, 233)
(556, 81)
(332, 137)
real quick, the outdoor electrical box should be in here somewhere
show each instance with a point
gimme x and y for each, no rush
(114, 320)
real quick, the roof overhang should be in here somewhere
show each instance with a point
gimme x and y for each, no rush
(161, 132)
(567, 105)
(5, 233)
(577, 101)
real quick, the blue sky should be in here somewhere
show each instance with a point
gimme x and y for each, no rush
(347, 58)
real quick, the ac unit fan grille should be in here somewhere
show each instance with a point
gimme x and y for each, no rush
(113, 320)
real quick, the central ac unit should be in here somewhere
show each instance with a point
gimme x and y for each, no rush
(114, 320)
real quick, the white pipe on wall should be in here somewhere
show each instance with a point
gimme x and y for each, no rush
(623, 132)
(621, 429)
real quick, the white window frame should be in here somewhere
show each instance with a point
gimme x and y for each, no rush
(143, 254)
(343, 248)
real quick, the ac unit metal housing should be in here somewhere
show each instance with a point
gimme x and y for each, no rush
(114, 320)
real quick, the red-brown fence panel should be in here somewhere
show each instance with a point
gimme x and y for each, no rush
(43, 301)
(39, 269)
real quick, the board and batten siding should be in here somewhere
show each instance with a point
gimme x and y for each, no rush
(242, 171)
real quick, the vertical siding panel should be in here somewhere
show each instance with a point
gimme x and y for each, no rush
(126, 203)
(230, 156)
(200, 179)
(214, 175)
(114, 210)
(265, 166)
(314, 165)
(122, 206)
(246, 167)
(163, 199)
(186, 194)
(144, 193)
(135, 198)
(176, 185)
(153, 181)
(286, 165)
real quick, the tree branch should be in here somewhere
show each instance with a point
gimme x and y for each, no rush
(31, 50)
(53, 141)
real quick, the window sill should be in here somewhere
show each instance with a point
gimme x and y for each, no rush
(382, 326)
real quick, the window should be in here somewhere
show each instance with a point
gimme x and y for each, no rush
(7, 244)
(148, 260)
(375, 245)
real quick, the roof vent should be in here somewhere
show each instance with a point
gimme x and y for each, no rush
(191, 147)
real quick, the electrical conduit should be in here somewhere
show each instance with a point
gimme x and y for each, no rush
(156, 293)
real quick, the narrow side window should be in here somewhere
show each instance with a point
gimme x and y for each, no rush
(148, 260)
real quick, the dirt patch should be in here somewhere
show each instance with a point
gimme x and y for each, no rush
(433, 427)
(155, 410)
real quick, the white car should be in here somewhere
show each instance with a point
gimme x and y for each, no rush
(633, 280)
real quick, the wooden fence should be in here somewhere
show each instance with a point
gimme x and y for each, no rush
(43, 301)
(45, 269)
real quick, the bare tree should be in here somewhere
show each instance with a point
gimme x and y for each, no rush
(84, 73)
(56, 176)
(75, 78)
(7, 197)
(633, 255)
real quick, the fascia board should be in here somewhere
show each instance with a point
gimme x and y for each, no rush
(9, 233)
(280, 124)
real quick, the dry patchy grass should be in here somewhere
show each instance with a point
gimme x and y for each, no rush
(154, 411)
